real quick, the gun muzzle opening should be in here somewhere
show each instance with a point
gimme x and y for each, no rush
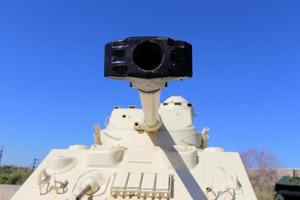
(147, 55)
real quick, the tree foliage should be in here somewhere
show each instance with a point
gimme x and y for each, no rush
(261, 168)
(13, 175)
(260, 159)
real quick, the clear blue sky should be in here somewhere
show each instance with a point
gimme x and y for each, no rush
(246, 84)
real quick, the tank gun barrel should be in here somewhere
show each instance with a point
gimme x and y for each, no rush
(150, 104)
(148, 63)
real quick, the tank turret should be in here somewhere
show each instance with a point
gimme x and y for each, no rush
(288, 188)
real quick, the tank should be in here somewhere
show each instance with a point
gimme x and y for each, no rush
(287, 188)
(153, 152)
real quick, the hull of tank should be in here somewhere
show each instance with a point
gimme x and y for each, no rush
(178, 173)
